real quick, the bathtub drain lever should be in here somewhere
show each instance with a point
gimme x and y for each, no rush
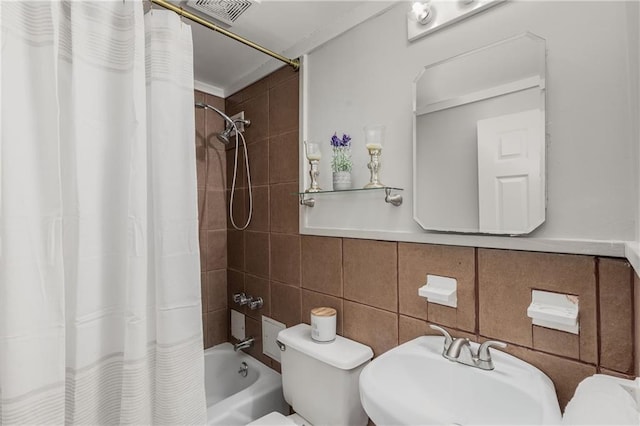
(244, 369)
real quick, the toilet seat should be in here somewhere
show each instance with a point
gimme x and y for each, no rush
(278, 419)
(604, 400)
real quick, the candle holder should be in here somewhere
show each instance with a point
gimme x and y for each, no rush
(314, 155)
(373, 141)
(374, 167)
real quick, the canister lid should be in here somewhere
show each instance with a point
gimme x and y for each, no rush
(323, 312)
(342, 353)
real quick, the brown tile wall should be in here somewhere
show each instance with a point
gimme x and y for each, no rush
(379, 305)
(374, 284)
(212, 177)
(636, 323)
(264, 259)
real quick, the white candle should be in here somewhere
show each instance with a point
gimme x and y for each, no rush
(374, 146)
(314, 156)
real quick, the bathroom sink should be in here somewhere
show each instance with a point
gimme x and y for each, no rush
(413, 384)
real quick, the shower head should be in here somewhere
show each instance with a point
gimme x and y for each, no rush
(229, 127)
(226, 134)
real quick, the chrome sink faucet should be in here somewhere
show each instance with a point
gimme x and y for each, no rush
(459, 350)
(245, 343)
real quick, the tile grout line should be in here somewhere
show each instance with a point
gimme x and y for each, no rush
(596, 264)
(476, 283)
(634, 330)
(397, 293)
(344, 322)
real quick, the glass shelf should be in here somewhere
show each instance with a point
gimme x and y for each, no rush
(307, 198)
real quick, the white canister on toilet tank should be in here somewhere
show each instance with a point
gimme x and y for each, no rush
(323, 324)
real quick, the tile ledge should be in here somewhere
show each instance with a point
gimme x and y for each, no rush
(612, 248)
(632, 253)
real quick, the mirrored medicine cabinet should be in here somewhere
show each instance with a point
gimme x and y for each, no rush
(479, 140)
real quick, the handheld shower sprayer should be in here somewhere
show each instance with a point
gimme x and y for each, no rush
(224, 137)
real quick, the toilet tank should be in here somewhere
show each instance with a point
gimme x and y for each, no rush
(320, 380)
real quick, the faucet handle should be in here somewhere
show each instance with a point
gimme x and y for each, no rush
(447, 337)
(483, 352)
(255, 303)
(240, 298)
(455, 349)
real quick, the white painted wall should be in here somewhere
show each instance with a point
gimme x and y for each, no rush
(365, 77)
(633, 247)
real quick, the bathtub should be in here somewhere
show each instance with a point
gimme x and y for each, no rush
(234, 400)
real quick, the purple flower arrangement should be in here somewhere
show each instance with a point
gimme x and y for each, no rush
(336, 142)
(341, 161)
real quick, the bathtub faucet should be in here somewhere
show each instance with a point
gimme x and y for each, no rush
(245, 343)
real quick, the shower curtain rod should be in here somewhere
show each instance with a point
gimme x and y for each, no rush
(294, 63)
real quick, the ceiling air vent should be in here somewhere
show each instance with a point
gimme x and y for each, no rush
(226, 11)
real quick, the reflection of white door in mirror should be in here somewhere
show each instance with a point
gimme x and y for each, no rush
(479, 140)
(511, 152)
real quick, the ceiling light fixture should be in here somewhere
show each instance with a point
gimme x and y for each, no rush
(427, 16)
(422, 12)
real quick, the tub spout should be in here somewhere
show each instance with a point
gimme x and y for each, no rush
(245, 343)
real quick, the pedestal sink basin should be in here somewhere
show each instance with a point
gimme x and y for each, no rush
(413, 384)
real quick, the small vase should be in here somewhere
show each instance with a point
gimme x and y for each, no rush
(341, 181)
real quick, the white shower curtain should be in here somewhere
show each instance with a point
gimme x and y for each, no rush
(100, 315)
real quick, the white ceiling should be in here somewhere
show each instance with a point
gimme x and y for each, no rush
(222, 66)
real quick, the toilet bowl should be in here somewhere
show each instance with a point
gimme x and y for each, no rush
(278, 419)
(320, 381)
(604, 400)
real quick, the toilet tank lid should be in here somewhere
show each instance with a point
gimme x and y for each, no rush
(342, 353)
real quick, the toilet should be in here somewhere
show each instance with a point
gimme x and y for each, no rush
(320, 380)
(604, 400)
